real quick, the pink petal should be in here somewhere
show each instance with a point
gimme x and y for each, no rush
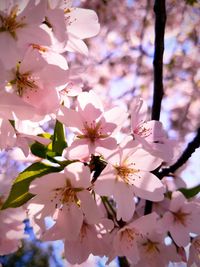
(13, 105)
(76, 45)
(84, 23)
(144, 160)
(124, 197)
(71, 118)
(139, 112)
(78, 174)
(78, 150)
(89, 207)
(148, 186)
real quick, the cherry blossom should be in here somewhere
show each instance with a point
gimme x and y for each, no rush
(77, 24)
(90, 240)
(19, 24)
(127, 175)
(150, 133)
(155, 252)
(11, 227)
(126, 240)
(66, 199)
(33, 79)
(194, 253)
(92, 125)
(180, 219)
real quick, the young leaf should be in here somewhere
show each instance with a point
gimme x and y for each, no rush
(19, 191)
(59, 140)
(190, 192)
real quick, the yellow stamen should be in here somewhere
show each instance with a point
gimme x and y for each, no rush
(10, 23)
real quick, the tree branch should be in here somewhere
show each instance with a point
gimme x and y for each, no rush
(123, 262)
(187, 153)
(160, 20)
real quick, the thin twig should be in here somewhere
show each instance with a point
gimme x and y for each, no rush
(187, 153)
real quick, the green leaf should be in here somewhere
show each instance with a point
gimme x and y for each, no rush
(190, 192)
(19, 192)
(191, 2)
(39, 150)
(59, 141)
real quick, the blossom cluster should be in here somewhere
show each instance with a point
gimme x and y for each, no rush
(95, 187)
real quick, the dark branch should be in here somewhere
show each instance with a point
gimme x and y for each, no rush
(187, 153)
(160, 20)
(123, 262)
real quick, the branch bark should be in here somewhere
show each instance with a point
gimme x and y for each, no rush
(160, 21)
(187, 153)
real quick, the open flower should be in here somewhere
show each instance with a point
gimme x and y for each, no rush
(19, 26)
(36, 83)
(64, 197)
(126, 240)
(180, 219)
(71, 25)
(93, 127)
(127, 175)
(150, 133)
(194, 252)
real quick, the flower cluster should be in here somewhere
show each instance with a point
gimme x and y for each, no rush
(93, 188)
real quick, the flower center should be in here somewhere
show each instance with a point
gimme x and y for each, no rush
(180, 217)
(39, 48)
(10, 24)
(142, 130)
(151, 247)
(196, 245)
(130, 236)
(92, 131)
(67, 194)
(126, 173)
(23, 81)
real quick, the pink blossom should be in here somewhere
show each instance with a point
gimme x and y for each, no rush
(194, 252)
(92, 125)
(126, 240)
(150, 133)
(7, 134)
(72, 25)
(66, 198)
(180, 219)
(127, 175)
(154, 252)
(19, 26)
(36, 83)
(90, 241)
(11, 229)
